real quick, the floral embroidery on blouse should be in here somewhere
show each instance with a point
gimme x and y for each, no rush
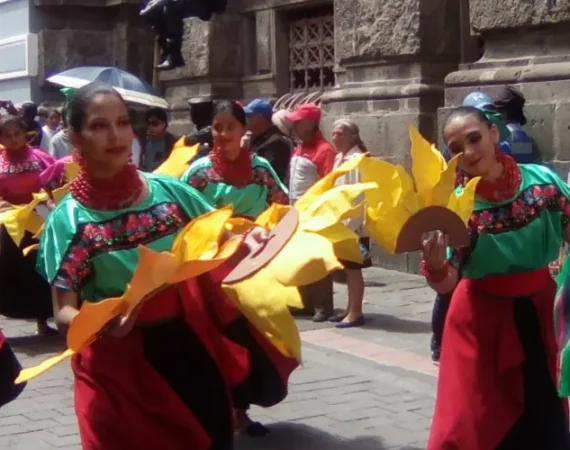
(524, 209)
(126, 231)
(260, 175)
(264, 177)
(28, 166)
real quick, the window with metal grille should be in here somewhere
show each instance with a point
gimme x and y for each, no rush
(311, 50)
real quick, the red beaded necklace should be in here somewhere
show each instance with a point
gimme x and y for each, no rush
(504, 188)
(237, 172)
(120, 191)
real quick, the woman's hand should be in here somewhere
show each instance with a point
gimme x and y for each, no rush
(4, 204)
(434, 251)
(121, 326)
(256, 237)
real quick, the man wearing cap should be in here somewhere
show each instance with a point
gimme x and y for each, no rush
(312, 159)
(266, 139)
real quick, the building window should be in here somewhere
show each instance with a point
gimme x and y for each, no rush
(311, 50)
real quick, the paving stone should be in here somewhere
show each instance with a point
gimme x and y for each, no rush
(337, 401)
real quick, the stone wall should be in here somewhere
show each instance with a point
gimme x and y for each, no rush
(91, 32)
(399, 62)
(526, 45)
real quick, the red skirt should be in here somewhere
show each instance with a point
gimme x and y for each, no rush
(498, 371)
(269, 370)
(166, 385)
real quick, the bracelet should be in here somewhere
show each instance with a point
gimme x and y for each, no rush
(434, 276)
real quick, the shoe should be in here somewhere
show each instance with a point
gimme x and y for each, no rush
(171, 63)
(355, 323)
(338, 317)
(435, 355)
(320, 317)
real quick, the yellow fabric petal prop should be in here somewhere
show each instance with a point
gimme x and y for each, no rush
(272, 215)
(328, 208)
(179, 159)
(446, 185)
(427, 164)
(326, 183)
(384, 225)
(269, 313)
(71, 171)
(345, 242)
(461, 203)
(386, 175)
(33, 372)
(239, 225)
(307, 258)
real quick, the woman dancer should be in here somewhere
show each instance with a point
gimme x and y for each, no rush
(9, 371)
(160, 377)
(346, 139)
(496, 387)
(230, 175)
(23, 171)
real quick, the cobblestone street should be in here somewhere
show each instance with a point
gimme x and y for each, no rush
(368, 388)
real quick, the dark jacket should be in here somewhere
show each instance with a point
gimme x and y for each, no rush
(275, 148)
(203, 137)
(169, 141)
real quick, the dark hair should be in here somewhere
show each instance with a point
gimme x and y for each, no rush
(12, 121)
(43, 111)
(464, 111)
(232, 107)
(76, 107)
(511, 103)
(29, 110)
(157, 113)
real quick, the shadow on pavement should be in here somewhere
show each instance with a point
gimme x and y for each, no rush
(387, 322)
(34, 345)
(287, 436)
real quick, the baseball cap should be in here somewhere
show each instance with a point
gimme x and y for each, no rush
(478, 100)
(261, 107)
(306, 111)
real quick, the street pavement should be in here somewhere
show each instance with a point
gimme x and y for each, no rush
(365, 388)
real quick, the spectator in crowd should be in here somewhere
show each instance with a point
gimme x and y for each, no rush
(510, 103)
(43, 113)
(34, 133)
(346, 139)
(51, 125)
(201, 115)
(267, 140)
(313, 158)
(159, 141)
(60, 145)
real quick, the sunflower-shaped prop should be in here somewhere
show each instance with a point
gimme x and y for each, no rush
(196, 250)
(304, 245)
(400, 211)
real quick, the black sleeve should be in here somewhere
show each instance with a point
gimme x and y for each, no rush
(278, 154)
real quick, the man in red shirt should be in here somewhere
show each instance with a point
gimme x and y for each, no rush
(312, 160)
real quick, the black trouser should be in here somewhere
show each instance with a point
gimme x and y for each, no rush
(438, 315)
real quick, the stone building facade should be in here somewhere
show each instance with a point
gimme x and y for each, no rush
(385, 63)
(43, 37)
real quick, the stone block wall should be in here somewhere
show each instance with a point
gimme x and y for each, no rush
(399, 62)
(91, 32)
